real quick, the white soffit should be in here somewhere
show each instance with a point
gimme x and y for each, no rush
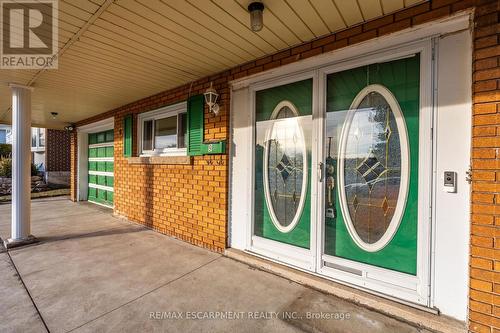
(131, 49)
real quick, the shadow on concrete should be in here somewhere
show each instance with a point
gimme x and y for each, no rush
(103, 233)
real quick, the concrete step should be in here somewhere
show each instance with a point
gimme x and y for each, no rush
(418, 318)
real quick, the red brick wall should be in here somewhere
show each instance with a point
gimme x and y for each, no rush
(185, 201)
(181, 200)
(485, 232)
(57, 150)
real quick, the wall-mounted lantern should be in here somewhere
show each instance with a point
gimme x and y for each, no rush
(211, 97)
(256, 21)
(70, 128)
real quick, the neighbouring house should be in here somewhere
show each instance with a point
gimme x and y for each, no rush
(356, 141)
(58, 157)
(38, 155)
(5, 134)
(50, 152)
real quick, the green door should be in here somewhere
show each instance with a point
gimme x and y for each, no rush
(282, 206)
(371, 165)
(101, 166)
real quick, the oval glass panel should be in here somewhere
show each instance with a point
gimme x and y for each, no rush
(285, 167)
(373, 168)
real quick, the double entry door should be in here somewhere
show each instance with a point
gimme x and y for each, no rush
(339, 176)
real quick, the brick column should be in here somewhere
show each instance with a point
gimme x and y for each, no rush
(484, 303)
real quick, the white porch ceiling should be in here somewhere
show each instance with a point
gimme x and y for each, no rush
(136, 48)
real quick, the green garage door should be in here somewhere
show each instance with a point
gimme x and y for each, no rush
(101, 165)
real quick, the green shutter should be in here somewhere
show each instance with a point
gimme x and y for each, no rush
(127, 136)
(195, 124)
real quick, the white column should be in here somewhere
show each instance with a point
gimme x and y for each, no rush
(21, 166)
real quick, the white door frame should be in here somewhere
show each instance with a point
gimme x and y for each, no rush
(82, 180)
(414, 289)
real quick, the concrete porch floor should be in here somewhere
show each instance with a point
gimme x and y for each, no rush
(92, 272)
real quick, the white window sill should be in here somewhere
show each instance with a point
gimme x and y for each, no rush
(164, 153)
(181, 160)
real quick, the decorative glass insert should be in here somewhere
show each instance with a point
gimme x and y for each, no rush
(285, 167)
(271, 122)
(373, 167)
(370, 169)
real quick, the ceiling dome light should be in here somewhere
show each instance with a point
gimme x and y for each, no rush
(255, 9)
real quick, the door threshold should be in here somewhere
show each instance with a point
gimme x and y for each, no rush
(420, 318)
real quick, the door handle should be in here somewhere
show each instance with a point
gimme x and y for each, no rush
(320, 171)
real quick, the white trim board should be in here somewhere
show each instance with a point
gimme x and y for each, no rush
(101, 187)
(101, 173)
(98, 126)
(102, 145)
(451, 231)
(101, 159)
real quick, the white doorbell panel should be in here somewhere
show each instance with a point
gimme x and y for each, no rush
(450, 182)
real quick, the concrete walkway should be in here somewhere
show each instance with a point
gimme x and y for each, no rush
(92, 272)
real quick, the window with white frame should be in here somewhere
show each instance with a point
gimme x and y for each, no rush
(37, 139)
(163, 132)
